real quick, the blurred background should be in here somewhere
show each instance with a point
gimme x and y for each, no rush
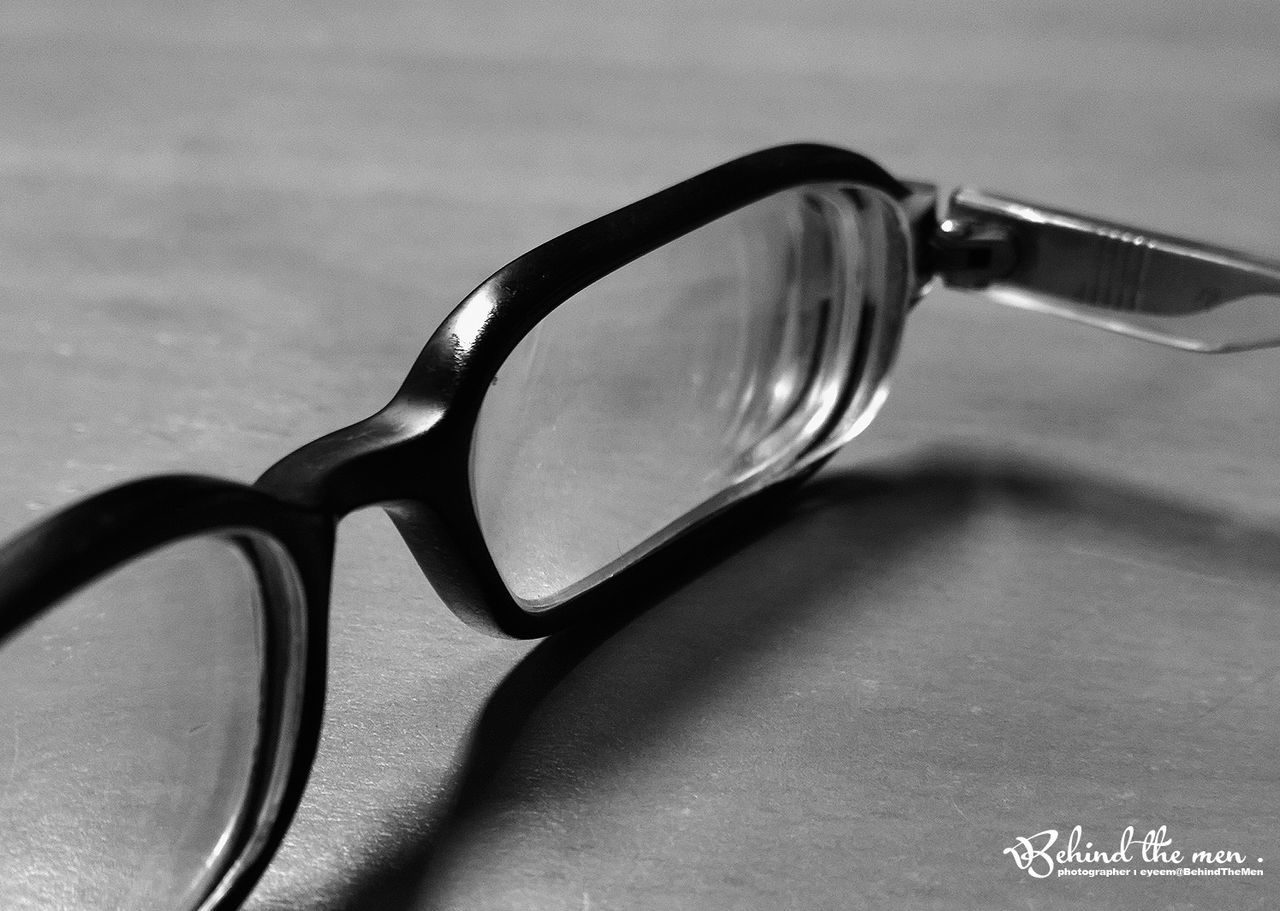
(1039, 592)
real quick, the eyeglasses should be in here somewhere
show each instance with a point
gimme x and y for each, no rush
(569, 425)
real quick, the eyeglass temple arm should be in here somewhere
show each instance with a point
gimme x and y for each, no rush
(1139, 283)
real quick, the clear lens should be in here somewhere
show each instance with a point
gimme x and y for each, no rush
(724, 360)
(129, 732)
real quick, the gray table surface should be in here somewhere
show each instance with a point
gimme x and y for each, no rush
(1039, 592)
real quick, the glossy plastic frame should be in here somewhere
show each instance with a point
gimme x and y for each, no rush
(291, 550)
(413, 456)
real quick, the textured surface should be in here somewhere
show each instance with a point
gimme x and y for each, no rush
(1039, 592)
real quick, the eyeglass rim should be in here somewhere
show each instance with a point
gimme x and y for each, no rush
(413, 457)
(289, 547)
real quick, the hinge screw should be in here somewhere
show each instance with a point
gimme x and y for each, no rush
(969, 254)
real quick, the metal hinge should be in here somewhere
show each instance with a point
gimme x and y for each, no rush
(971, 254)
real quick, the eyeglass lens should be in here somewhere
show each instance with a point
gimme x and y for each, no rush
(719, 358)
(129, 731)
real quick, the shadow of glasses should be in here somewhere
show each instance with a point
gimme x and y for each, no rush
(584, 708)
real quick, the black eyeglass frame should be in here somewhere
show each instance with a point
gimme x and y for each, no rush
(413, 457)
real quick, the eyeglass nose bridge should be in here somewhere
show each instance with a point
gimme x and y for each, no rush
(413, 461)
(390, 456)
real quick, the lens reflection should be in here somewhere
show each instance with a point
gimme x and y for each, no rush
(129, 729)
(717, 361)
